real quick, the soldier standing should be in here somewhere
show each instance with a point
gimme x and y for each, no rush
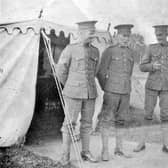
(155, 61)
(76, 70)
(114, 76)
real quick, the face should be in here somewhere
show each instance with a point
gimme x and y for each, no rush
(161, 36)
(124, 38)
(86, 36)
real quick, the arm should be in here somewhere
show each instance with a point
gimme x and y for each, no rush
(146, 64)
(103, 67)
(62, 67)
(98, 62)
(132, 63)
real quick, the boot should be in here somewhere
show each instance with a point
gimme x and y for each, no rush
(65, 159)
(105, 152)
(119, 144)
(141, 145)
(85, 154)
(164, 128)
(165, 149)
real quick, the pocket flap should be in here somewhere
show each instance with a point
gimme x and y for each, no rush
(79, 58)
(93, 57)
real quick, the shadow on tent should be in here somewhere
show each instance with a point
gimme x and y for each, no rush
(48, 113)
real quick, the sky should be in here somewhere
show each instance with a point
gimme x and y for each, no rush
(142, 13)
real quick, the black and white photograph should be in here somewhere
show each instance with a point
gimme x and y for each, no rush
(83, 84)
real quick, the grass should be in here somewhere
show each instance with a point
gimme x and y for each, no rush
(19, 157)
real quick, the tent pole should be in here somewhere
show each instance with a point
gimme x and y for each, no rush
(70, 127)
(40, 14)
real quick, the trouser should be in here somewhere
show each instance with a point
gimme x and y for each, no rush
(164, 129)
(74, 107)
(114, 110)
(150, 103)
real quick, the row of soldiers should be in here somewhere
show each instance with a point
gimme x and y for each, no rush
(77, 68)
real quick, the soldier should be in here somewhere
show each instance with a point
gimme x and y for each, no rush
(114, 76)
(155, 61)
(76, 70)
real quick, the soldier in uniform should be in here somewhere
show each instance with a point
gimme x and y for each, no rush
(114, 76)
(155, 61)
(76, 70)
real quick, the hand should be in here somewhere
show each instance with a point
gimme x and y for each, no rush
(156, 66)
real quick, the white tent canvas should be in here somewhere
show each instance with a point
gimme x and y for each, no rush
(19, 49)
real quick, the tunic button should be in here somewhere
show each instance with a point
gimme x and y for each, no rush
(107, 76)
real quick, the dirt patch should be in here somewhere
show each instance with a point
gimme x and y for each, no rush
(19, 157)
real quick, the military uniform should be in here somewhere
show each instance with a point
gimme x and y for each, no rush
(157, 81)
(156, 84)
(114, 76)
(76, 70)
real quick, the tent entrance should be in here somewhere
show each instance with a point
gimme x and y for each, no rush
(48, 113)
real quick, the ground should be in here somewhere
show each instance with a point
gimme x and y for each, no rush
(20, 157)
(45, 153)
(152, 157)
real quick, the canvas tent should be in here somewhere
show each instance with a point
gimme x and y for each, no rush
(19, 59)
(19, 49)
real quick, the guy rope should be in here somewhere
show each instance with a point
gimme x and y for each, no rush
(47, 43)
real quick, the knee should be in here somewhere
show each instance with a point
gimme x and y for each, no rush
(120, 123)
(148, 117)
(107, 124)
(164, 115)
(86, 126)
(164, 119)
(66, 127)
(148, 113)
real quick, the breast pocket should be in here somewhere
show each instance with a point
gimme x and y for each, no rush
(79, 63)
(129, 64)
(93, 60)
(116, 63)
(130, 60)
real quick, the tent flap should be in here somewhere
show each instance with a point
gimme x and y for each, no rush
(18, 73)
(36, 25)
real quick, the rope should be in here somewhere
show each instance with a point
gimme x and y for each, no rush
(65, 108)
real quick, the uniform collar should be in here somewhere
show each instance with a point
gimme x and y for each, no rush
(85, 45)
(123, 46)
